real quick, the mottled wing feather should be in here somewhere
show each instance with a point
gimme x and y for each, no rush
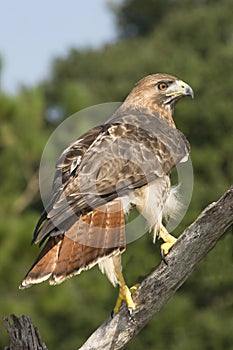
(62, 176)
(130, 151)
(71, 157)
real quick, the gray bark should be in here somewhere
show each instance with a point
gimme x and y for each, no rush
(155, 290)
(23, 335)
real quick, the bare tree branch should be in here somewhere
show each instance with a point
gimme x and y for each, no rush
(23, 334)
(156, 289)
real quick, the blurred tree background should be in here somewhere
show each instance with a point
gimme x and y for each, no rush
(192, 39)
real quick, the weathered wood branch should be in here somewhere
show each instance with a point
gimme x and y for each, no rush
(23, 335)
(156, 289)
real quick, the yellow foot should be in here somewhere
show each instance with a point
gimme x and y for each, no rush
(125, 294)
(169, 241)
(165, 247)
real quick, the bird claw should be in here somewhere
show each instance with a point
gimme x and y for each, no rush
(130, 311)
(169, 241)
(163, 255)
(125, 294)
(165, 249)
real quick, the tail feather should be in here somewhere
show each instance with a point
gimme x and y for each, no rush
(45, 263)
(91, 238)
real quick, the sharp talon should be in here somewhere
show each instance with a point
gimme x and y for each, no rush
(164, 257)
(130, 311)
(112, 314)
(131, 314)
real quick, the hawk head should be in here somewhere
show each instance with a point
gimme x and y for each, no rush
(159, 91)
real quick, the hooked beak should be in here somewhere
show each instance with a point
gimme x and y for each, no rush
(179, 89)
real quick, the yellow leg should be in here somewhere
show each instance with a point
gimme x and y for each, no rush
(169, 241)
(125, 294)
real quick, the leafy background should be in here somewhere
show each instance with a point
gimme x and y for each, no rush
(192, 39)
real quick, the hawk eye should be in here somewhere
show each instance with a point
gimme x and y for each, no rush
(162, 86)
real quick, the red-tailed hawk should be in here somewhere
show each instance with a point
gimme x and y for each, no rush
(124, 163)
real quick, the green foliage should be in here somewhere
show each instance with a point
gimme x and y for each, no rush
(133, 19)
(190, 39)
